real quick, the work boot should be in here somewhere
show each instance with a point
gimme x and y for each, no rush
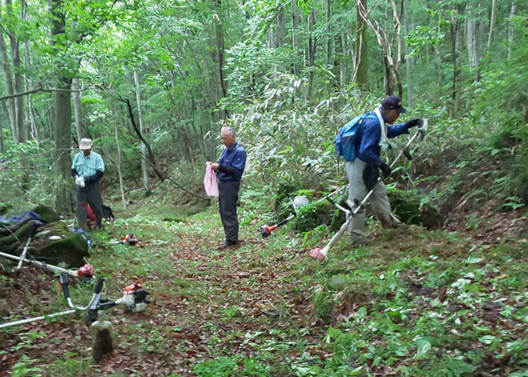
(227, 245)
(358, 239)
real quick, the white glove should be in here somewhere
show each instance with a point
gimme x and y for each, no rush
(79, 181)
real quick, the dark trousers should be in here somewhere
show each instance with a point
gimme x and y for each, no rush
(227, 199)
(90, 194)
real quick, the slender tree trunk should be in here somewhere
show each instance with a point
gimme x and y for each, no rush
(455, 51)
(492, 23)
(328, 32)
(34, 134)
(1, 134)
(118, 159)
(511, 29)
(281, 29)
(220, 57)
(389, 85)
(144, 167)
(312, 45)
(409, 62)
(14, 46)
(77, 108)
(21, 132)
(397, 66)
(294, 34)
(8, 82)
(361, 49)
(344, 60)
(438, 69)
(474, 39)
(64, 198)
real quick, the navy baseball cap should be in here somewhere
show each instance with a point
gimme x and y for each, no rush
(393, 103)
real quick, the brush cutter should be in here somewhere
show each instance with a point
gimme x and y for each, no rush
(299, 201)
(86, 271)
(130, 240)
(321, 254)
(134, 299)
(96, 296)
(23, 255)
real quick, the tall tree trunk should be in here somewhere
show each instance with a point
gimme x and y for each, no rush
(77, 108)
(220, 58)
(294, 35)
(474, 39)
(21, 132)
(344, 60)
(361, 49)
(409, 62)
(31, 112)
(14, 46)
(64, 191)
(144, 167)
(281, 29)
(492, 23)
(397, 66)
(389, 83)
(511, 29)
(8, 82)
(455, 51)
(329, 37)
(118, 159)
(312, 45)
(1, 134)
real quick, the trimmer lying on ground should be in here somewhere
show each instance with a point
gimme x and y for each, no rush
(86, 271)
(135, 298)
(321, 254)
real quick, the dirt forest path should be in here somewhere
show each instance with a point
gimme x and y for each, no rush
(267, 309)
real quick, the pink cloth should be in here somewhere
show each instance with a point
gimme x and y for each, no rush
(210, 184)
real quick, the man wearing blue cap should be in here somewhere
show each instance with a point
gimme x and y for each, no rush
(363, 171)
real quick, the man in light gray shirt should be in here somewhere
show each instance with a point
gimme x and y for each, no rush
(87, 169)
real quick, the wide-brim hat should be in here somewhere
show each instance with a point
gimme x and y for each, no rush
(85, 144)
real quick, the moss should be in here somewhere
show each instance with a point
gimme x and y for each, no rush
(10, 242)
(71, 249)
(47, 213)
(5, 208)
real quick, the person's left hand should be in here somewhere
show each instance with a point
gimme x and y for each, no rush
(413, 123)
(214, 166)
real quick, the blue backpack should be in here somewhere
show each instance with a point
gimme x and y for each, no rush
(345, 141)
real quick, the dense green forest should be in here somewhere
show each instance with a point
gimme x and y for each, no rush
(153, 82)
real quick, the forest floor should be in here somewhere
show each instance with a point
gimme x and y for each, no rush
(413, 303)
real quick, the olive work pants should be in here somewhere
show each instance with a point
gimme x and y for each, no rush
(378, 200)
(227, 200)
(90, 194)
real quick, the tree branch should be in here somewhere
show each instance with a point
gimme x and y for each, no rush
(176, 183)
(152, 161)
(38, 88)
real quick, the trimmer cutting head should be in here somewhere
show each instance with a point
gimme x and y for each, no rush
(424, 127)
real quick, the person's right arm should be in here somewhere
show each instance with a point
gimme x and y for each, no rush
(74, 171)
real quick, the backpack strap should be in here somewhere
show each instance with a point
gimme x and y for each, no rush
(383, 138)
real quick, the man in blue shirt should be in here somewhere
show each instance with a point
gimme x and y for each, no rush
(229, 170)
(87, 169)
(363, 171)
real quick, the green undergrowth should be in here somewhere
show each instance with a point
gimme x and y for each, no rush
(413, 303)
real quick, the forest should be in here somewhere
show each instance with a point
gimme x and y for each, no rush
(154, 84)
